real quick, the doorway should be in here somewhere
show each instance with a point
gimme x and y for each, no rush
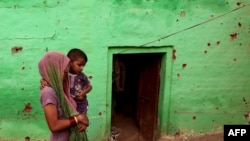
(135, 96)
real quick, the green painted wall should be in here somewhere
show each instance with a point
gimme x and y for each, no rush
(210, 61)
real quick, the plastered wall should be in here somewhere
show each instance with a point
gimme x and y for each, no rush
(211, 55)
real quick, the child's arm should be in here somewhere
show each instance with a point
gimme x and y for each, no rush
(87, 89)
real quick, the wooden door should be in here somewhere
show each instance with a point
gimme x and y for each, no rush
(148, 94)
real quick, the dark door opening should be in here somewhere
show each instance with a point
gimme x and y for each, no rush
(135, 93)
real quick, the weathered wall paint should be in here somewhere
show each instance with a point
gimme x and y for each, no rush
(210, 81)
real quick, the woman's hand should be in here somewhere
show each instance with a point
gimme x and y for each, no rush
(83, 122)
(81, 127)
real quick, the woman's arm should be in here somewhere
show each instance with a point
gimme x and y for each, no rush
(56, 124)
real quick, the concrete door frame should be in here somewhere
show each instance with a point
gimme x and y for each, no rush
(165, 82)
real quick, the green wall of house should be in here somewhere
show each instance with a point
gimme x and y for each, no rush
(209, 84)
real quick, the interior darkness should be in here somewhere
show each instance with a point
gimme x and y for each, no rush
(124, 104)
(126, 101)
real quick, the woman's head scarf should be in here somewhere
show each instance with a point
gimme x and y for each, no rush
(52, 68)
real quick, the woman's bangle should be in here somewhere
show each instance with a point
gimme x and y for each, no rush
(72, 121)
(76, 119)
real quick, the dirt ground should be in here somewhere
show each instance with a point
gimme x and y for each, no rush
(205, 137)
(128, 131)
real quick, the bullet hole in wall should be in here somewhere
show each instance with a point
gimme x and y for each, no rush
(27, 138)
(245, 101)
(239, 24)
(23, 67)
(238, 3)
(218, 43)
(16, 49)
(205, 51)
(178, 75)
(208, 44)
(233, 36)
(100, 113)
(90, 77)
(184, 66)
(27, 108)
(183, 14)
(194, 117)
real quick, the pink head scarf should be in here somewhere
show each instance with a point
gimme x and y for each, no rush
(52, 67)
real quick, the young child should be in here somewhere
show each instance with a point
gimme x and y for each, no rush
(79, 83)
